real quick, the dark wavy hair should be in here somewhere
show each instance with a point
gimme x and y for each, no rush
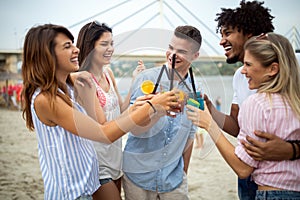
(250, 17)
(87, 37)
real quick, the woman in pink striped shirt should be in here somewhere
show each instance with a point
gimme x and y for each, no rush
(271, 67)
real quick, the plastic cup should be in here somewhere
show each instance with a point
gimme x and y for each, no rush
(197, 101)
(164, 86)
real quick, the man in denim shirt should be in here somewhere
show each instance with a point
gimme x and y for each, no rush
(155, 163)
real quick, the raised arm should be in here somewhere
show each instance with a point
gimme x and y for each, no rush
(204, 120)
(82, 125)
(227, 123)
(124, 104)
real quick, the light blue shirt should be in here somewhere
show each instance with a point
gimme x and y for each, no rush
(68, 162)
(153, 160)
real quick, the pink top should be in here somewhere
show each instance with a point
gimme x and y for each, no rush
(100, 92)
(259, 112)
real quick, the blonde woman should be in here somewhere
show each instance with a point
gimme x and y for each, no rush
(271, 67)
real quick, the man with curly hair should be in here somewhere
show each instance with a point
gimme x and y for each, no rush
(236, 26)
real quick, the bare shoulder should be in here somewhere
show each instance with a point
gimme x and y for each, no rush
(112, 76)
(43, 109)
(110, 72)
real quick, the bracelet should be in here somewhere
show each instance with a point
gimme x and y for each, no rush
(151, 106)
(298, 144)
(292, 142)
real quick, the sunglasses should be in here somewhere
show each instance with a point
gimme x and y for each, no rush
(263, 36)
(95, 23)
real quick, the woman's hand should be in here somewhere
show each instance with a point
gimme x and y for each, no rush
(141, 67)
(166, 102)
(82, 78)
(141, 101)
(84, 90)
(199, 117)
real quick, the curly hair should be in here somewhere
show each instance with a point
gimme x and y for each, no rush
(250, 17)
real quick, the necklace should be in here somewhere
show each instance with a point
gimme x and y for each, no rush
(103, 82)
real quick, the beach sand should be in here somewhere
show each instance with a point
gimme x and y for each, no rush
(209, 177)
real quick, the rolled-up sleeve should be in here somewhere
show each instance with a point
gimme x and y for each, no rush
(252, 116)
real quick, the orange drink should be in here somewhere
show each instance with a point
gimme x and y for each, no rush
(147, 87)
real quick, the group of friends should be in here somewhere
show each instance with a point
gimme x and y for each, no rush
(72, 102)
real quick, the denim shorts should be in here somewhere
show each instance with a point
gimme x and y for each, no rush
(105, 180)
(87, 197)
(277, 195)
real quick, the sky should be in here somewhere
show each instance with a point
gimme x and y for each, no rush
(18, 16)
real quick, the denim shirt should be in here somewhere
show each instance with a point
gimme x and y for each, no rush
(153, 160)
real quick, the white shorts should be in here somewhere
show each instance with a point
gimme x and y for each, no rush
(133, 192)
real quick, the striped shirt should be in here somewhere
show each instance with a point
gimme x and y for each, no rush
(68, 162)
(275, 116)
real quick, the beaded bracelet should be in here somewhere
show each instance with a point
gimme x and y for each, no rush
(151, 106)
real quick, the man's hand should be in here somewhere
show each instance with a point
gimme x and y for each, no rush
(274, 149)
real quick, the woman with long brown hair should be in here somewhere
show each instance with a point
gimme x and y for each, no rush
(67, 157)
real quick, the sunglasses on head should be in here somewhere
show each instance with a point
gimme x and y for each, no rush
(263, 36)
(94, 23)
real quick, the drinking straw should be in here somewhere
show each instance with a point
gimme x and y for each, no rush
(182, 80)
(172, 72)
(193, 82)
(159, 77)
(164, 68)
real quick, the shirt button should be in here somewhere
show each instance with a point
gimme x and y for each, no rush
(165, 154)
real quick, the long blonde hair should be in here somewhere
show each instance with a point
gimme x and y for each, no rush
(272, 47)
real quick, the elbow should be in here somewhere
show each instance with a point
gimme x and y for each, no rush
(243, 173)
(106, 140)
(235, 132)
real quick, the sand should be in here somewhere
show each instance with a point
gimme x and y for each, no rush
(209, 177)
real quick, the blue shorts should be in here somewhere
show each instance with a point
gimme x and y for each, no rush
(277, 195)
(88, 197)
(105, 180)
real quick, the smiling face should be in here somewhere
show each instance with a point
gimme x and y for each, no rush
(103, 49)
(66, 54)
(255, 72)
(233, 42)
(184, 54)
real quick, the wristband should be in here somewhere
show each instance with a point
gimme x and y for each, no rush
(293, 142)
(151, 106)
(297, 142)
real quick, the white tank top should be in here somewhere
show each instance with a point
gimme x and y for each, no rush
(109, 155)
